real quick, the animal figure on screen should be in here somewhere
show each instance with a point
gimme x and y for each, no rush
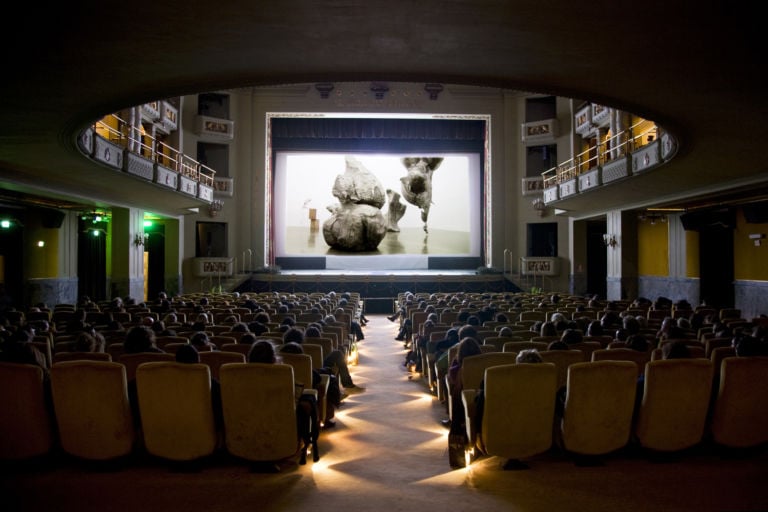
(417, 184)
(395, 211)
(357, 223)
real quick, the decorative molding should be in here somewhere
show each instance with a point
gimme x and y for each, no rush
(223, 187)
(646, 158)
(85, 141)
(169, 120)
(537, 133)
(568, 188)
(433, 90)
(616, 169)
(379, 90)
(151, 111)
(668, 146)
(204, 192)
(540, 266)
(533, 186)
(551, 194)
(166, 177)
(324, 89)
(187, 185)
(589, 179)
(138, 165)
(107, 152)
(204, 267)
(214, 129)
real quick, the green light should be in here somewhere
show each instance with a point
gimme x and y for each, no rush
(147, 223)
(95, 232)
(5, 224)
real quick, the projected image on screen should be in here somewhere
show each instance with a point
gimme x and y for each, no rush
(366, 205)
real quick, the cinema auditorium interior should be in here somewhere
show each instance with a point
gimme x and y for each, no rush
(521, 247)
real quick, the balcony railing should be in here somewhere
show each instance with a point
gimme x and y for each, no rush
(621, 144)
(119, 132)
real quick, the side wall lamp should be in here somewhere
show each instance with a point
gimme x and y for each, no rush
(610, 240)
(139, 239)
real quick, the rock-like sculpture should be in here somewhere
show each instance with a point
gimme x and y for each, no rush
(395, 211)
(417, 184)
(354, 227)
(357, 223)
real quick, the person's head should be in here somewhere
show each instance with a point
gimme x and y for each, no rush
(637, 342)
(139, 339)
(200, 340)
(529, 355)
(595, 328)
(631, 324)
(85, 342)
(749, 346)
(536, 326)
(262, 351)
(468, 347)
(473, 320)
(505, 332)
(557, 317)
(187, 354)
(312, 331)
(291, 348)
(548, 329)
(571, 336)
(239, 327)
(675, 350)
(558, 345)
(293, 334)
(467, 331)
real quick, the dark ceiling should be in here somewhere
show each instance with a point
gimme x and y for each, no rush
(693, 67)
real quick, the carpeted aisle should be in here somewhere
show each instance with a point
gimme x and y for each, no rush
(389, 452)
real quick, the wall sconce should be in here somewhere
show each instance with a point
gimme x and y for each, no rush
(139, 239)
(215, 207)
(757, 238)
(540, 206)
(610, 240)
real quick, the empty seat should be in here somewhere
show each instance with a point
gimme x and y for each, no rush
(26, 425)
(673, 412)
(740, 411)
(259, 411)
(599, 404)
(92, 409)
(177, 417)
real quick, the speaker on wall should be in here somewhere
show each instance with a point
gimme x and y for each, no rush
(51, 218)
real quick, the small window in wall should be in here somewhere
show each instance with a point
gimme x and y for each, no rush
(215, 156)
(213, 105)
(542, 240)
(539, 159)
(211, 240)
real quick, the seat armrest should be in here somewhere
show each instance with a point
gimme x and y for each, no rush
(325, 381)
(310, 392)
(468, 398)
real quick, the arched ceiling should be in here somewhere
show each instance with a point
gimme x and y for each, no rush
(693, 67)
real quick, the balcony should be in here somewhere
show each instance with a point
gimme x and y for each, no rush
(113, 142)
(630, 152)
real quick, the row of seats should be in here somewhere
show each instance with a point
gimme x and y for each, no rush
(599, 414)
(92, 414)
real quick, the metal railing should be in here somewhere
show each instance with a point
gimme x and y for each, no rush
(120, 132)
(636, 136)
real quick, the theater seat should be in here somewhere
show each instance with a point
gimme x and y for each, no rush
(599, 403)
(740, 413)
(518, 410)
(259, 411)
(26, 425)
(473, 371)
(216, 358)
(673, 412)
(176, 408)
(92, 409)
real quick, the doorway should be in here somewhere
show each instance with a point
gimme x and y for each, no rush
(597, 259)
(716, 266)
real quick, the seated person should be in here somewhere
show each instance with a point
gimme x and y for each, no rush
(188, 354)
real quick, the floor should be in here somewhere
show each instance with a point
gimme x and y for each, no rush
(389, 452)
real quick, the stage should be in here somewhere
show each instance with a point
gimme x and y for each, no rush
(376, 285)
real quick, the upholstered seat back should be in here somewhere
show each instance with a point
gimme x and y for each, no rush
(216, 358)
(92, 409)
(259, 410)
(519, 409)
(25, 420)
(623, 354)
(673, 412)
(599, 403)
(562, 359)
(517, 346)
(740, 414)
(132, 361)
(176, 410)
(473, 367)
